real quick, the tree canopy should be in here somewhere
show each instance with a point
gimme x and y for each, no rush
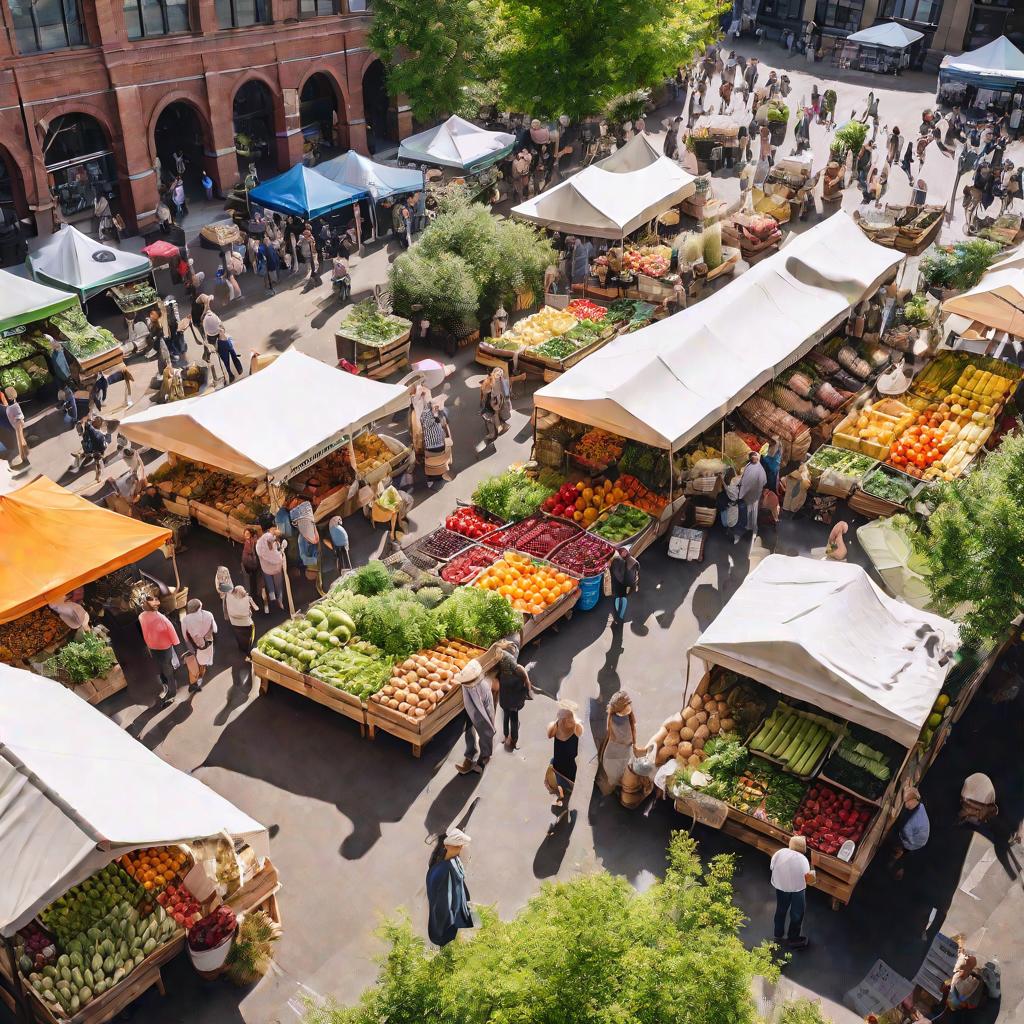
(973, 545)
(433, 52)
(576, 59)
(591, 950)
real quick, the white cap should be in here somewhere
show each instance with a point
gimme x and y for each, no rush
(456, 837)
(470, 673)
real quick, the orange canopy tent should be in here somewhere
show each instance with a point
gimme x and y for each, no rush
(52, 541)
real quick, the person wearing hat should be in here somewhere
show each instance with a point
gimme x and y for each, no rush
(479, 702)
(447, 893)
(791, 872)
(912, 831)
(199, 628)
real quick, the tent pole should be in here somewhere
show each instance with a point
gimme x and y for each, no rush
(174, 563)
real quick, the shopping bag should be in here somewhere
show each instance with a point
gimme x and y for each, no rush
(192, 665)
(606, 583)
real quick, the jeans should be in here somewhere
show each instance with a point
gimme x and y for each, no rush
(478, 745)
(228, 355)
(620, 606)
(244, 636)
(275, 587)
(510, 725)
(795, 903)
(165, 666)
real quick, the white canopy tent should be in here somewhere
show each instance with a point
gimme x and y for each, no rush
(24, 301)
(380, 180)
(822, 632)
(457, 143)
(613, 198)
(77, 262)
(272, 424)
(995, 63)
(889, 34)
(998, 301)
(76, 792)
(667, 383)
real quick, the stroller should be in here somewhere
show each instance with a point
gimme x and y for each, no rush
(341, 280)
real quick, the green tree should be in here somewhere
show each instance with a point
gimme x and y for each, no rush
(973, 545)
(591, 951)
(434, 52)
(577, 58)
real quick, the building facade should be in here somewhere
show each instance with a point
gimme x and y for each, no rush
(112, 96)
(949, 26)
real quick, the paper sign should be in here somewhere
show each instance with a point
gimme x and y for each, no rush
(938, 965)
(880, 990)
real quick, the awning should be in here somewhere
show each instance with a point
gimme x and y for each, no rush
(360, 172)
(24, 301)
(457, 143)
(77, 791)
(73, 260)
(665, 384)
(995, 64)
(272, 424)
(997, 302)
(903, 573)
(822, 632)
(52, 541)
(612, 198)
(890, 34)
(303, 192)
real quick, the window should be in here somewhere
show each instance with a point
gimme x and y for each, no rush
(47, 25)
(843, 15)
(987, 23)
(789, 9)
(923, 12)
(155, 17)
(318, 8)
(80, 163)
(358, 6)
(241, 13)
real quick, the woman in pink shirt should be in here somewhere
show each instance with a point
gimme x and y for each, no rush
(160, 637)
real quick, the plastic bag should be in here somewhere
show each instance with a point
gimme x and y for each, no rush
(644, 764)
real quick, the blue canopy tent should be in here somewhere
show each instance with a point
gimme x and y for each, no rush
(303, 192)
(995, 68)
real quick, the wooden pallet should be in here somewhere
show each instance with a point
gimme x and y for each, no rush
(268, 671)
(375, 362)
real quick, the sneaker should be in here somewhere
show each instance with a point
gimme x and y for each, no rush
(802, 943)
(193, 687)
(166, 702)
(266, 608)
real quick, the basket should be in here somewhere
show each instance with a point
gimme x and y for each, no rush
(550, 452)
(211, 960)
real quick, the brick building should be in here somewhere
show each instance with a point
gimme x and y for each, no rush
(98, 95)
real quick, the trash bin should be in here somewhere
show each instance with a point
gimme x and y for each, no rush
(590, 592)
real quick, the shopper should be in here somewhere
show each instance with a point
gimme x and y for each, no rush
(560, 778)
(619, 743)
(238, 607)
(912, 831)
(582, 254)
(199, 628)
(270, 550)
(160, 638)
(977, 798)
(514, 689)
(178, 198)
(16, 419)
(447, 893)
(213, 326)
(967, 988)
(835, 549)
(892, 146)
(728, 504)
(624, 570)
(479, 704)
(251, 567)
(791, 874)
(908, 158)
(337, 541)
(228, 356)
(437, 442)
(752, 484)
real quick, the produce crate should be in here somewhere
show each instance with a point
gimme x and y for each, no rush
(446, 538)
(84, 371)
(218, 522)
(628, 541)
(269, 670)
(96, 691)
(418, 732)
(875, 507)
(376, 361)
(535, 625)
(401, 454)
(532, 358)
(830, 724)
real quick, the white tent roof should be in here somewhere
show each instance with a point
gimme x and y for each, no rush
(903, 573)
(822, 632)
(998, 301)
(666, 383)
(890, 34)
(998, 59)
(76, 791)
(23, 301)
(613, 198)
(274, 423)
(456, 143)
(73, 260)
(380, 180)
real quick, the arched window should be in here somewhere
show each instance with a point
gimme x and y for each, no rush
(79, 161)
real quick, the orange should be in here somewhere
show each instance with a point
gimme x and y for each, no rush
(147, 885)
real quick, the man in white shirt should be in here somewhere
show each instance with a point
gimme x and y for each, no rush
(72, 614)
(270, 552)
(791, 871)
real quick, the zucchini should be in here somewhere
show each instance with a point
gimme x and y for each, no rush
(799, 741)
(783, 735)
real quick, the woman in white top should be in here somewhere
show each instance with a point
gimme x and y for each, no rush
(199, 628)
(270, 552)
(238, 607)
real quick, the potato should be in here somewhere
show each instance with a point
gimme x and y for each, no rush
(714, 725)
(702, 717)
(698, 744)
(686, 733)
(693, 760)
(702, 733)
(675, 723)
(665, 754)
(393, 703)
(404, 706)
(688, 713)
(685, 749)
(672, 739)
(723, 709)
(696, 702)
(728, 724)
(710, 705)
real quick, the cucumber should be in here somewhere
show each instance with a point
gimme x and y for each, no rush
(798, 742)
(810, 758)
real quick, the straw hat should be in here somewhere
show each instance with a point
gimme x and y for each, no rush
(472, 671)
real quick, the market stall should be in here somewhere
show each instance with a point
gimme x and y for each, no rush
(457, 144)
(374, 341)
(56, 543)
(101, 892)
(989, 79)
(716, 141)
(822, 698)
(664, 386)
(303, 192)
(885, 47)
(231, 462)
(381, 181)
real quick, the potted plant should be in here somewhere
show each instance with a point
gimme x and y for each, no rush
(776, 115)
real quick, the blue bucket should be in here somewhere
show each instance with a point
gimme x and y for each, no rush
(590, 592)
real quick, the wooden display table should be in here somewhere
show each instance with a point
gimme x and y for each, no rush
(376, 361)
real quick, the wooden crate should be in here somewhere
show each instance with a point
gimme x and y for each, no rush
(218, 522)
(178, 506)
(268, 670)
(375, 361)
(86, 370)
(97, 690)
(537, 624)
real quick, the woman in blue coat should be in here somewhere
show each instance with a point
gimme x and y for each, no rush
(447, 894)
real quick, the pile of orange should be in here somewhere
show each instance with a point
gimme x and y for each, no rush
(156, 867)
(530, 587)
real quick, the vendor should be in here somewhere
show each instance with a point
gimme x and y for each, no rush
(71, 613)
(977, 801)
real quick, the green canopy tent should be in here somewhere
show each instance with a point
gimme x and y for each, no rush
(23, 301)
